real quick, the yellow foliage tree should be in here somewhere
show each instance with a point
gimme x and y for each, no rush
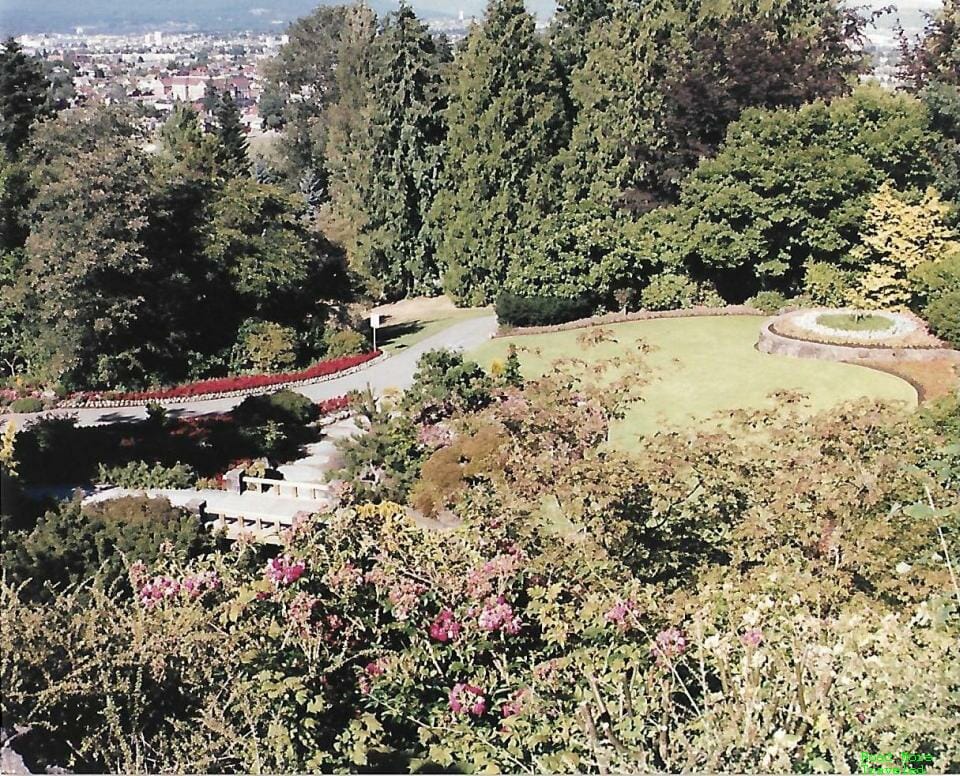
(7, 445)
(898, 236)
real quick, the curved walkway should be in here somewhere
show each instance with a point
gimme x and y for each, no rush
(394, 372)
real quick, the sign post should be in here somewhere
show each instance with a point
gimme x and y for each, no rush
(374, 325)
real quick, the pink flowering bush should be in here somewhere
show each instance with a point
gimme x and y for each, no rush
(708, 607)
(468, 699)
(284, 570)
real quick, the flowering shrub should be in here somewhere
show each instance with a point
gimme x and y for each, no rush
(236, 383)
(720, 604)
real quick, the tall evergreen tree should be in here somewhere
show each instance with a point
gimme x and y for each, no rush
(347, 166)
(23, 96)
(233, 141)
(506, 122)
(395, 248)
(660, 83)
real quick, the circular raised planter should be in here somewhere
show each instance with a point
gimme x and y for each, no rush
(801, 334)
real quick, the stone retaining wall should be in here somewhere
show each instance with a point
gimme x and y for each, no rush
(772, 342)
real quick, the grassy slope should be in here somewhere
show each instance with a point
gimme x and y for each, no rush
(701, 366)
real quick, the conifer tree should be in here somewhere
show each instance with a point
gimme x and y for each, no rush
(23, 95)
(233, 143)
(395, 249)
(506, 122)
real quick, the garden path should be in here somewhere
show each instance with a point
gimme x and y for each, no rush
(394, 372)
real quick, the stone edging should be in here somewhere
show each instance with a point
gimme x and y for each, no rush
(640, 315)
(771, 341)
(244, 392)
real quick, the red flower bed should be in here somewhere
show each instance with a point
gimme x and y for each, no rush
(333, 405)
(238, 383)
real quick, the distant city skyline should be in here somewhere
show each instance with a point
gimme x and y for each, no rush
(121, 16)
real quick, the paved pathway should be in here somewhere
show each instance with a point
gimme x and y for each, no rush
(393, 372)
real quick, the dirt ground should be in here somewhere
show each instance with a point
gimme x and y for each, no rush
(421, 308)
(933, 379)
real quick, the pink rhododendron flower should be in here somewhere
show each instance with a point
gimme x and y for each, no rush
(514, 706)
(497, 615)
(445, 628)
(434, 436)
(468, 699)
(284, 570)
(300, 613)
(669, 643)
(480, 581)
(345, 577)
(158, 589)
(752, 638)
(619, 614)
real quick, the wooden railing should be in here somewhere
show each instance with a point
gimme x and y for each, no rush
(313, 491)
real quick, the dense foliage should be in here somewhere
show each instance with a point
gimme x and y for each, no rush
(761, 602)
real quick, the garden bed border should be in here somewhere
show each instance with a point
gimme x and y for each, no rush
(240, 393)
(608, 319)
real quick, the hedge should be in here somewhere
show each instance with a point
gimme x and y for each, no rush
(516, 310)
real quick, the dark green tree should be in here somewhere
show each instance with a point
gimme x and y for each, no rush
(301, 82)
(793, 186)
(659, 83)
(233, 141)
(23, 96)
(87, 277)
(506, 122)
(395, 248)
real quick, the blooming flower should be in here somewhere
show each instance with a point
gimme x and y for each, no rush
(752, 637)
(195, 585)
(468, 699)
(669, 643)
(514, 706)
(301, 611)
(284, 570)
(497, 614)
(445, 628)
(344, 577)
(619, 614)
(158, 589)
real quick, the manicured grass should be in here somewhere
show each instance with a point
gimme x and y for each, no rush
(703, 366)
(850, 322)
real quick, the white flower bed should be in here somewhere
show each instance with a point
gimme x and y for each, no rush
(900, 325)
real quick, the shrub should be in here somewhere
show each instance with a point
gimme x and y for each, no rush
(284, 406)
(28, 404)
(343, 342)
(72, 544)
(933, 278)
(139, 474)
(263, 346)
(444, 383)
(769, 302)
(668, 291)
(516, 310)
(943, 316)
(825, 284)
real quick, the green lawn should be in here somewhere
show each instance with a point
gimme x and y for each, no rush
(701, 366)
(849, 322)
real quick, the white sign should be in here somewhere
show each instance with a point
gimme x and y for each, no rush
(374, 320)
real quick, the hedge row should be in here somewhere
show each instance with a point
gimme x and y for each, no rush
(516, 310)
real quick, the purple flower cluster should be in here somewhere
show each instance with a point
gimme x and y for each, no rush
(434, 436)
(445, 628)
(498, 615)
(468, 699)
(163, 588)
(669, 644)
(284, 570)
(752, 638)
(620, 614)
